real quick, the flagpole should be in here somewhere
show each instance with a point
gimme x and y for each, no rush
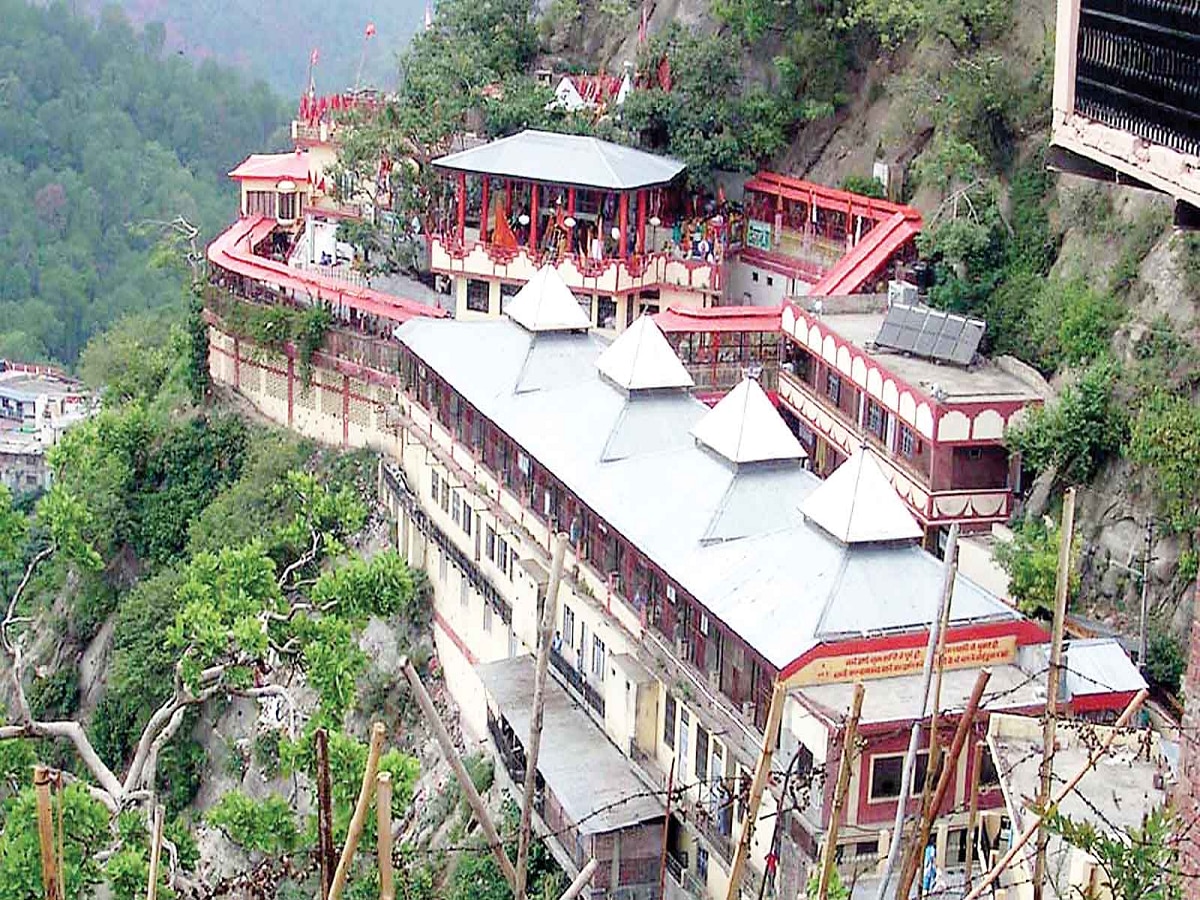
(367, 35)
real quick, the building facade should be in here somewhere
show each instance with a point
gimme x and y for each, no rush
(937, 427)
(37, 405)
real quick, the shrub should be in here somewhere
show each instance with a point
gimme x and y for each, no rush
(1165, 660)
(1031, 561)
(865, 185)
(1165, 439)
(1079, 432)
(264, 826)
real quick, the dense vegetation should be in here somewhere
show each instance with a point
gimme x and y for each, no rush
(233, 33)
(104, 139)
(223, 558)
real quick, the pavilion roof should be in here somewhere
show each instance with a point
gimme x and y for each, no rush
(641, 359)
(292, 166)
(857, 504)
(568, 159)
(744, 427)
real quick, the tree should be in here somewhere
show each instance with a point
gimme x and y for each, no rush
(1139, 863)
(1031, 561)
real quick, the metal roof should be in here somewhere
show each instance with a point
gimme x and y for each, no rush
(745, 427)
(569, 159)
(290, 166)
(593, 782)
(742, 550)
(641, 359)
(857, 504)
(545, 303)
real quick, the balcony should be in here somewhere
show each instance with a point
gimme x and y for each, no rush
(975, 506)
(577, 683)
(607, 276)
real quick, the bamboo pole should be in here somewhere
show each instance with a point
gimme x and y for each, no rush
(839, 798)
(943, 785)
(383, 830)
(666, 834)
(973, 811)
(536, 719)
(156, 838)
(460, 772)
(1062, 586)
(325, 850)
(360, 812)
(45, 825)
(581, 880)
(761, 770)
(1036, 825)
(948, 573)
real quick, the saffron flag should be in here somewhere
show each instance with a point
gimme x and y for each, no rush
(370, 29)
(313, 57)
(664, 73)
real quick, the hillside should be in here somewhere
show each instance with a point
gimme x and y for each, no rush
(103, 137)
(273, 40)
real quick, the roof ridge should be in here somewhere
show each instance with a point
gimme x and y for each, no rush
(599, 148)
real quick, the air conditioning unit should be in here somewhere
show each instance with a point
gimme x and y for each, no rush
(703, 623)
(714, 679)
(683, 648)
(748, 710)
(902, 292)
(671, 593)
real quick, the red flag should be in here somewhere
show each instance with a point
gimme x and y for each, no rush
(370, 29)
(313, 57)
(664, 73)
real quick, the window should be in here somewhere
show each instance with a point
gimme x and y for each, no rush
(463, 592)
(468, 515)
(489, 542)
(701, 753)
(442, 568)
(260, 203)
(568, 626)
(833, 387)
(456, 508)
(988, 775)
(598, 657)
(908, 442)
(770, 281)
(477, 295)
(754, 277)
(887, 771)
(287, 206)
(876, 419)
(487, 617)
(502, 554)
(701, 863)
(445, 496)
(434, 485)
(669, 714)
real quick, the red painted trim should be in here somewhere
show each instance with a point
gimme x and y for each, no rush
(454, 638)
(1101, 702)
(824, 197)
(291, 383)
(1024, 631)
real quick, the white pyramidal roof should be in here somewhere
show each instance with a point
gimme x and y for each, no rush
(547, 304)
(857, 504)
(641, 359)
(744, 427)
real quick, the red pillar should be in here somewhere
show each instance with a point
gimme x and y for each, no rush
(571, 202)
(483, 214)
(533, 217)
(462, 206)
(641, 222)
(508, 196)
(623, 222)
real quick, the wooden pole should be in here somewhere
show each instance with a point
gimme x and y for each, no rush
(325, 850)
(460, 772)
(45, 825)
(973, 811)
(545, 634)
(662, 861)
(156, 838)
(761, 770)
(360, 812)
(949, 569)
(383, 830)
(1035, 826)
(1062, 587)
(581, 880)
(829, 856)
(930, 812)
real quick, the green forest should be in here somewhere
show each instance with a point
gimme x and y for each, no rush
(104, 138)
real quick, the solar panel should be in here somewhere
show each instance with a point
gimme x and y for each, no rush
(930, 333)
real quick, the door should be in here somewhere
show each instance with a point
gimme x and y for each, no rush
(682, 746)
